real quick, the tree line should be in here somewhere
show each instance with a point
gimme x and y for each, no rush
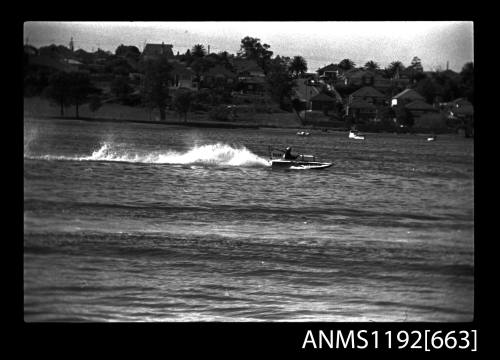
(152, 90)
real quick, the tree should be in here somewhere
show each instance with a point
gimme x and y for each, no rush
(416, 64)
(346, 64)
(298, 66)
(280, 84)
(128, 51)
(252, 49)
(154, 89)
(182, 102)
(395, 68)
(198, 51)
(80, 88)
(121, 88)
(371, 65)
(416, 70)
(56, 90)
(72, 88)
(467, 81)
(95, 103)
(428, 89)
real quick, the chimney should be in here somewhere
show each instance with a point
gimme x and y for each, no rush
(208, 49)
(447, 65)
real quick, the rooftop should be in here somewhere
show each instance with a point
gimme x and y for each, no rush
(368, 91)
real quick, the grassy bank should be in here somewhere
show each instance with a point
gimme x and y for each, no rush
(41, 108)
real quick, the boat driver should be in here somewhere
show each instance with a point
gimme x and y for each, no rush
(288, 154)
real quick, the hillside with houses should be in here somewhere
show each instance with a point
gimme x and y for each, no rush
(254, 86)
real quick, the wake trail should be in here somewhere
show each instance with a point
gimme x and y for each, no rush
(218, 154)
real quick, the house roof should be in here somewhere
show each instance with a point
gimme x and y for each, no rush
(460, 102)
(220, 70)
(243, 65)
(322, 97)
(158, 49)
(361, 104)
(368, 91)
(419, 105)
(409, 94)
(463, 110)
(331, 67)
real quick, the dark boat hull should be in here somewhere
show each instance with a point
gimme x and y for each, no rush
(299, 165)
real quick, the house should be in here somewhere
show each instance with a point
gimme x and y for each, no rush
(247, 68)
(250, 76)
(329, 72)
(357, 77)
(323, 102)
(182, 76)
(361, 109)
(153, 51)
(219, 76)
(460, 109)
(405, 97)
(419, 107)
(368, 94)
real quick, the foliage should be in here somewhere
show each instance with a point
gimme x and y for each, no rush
(128, 51)
(371, 65)
(432, 121)
(404, 116)
(394, 69)
(347, 64)
(72, 88)
(95, 103)
(298, 65)
(221, 113)
(121, 88)
(252, 49)
(182, 102)
(154, 89)
(198, 51)
(467, 81)
(280, 84)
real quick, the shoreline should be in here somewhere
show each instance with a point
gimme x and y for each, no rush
(215, 124)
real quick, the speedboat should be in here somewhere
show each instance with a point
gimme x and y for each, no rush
(301, 162)
(354, 135)
(432, 138)
(303, 133)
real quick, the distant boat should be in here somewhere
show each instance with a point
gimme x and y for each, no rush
(303, 133)
(354, 135)
(432, 138)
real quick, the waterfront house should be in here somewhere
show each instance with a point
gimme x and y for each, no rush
(153, 51)
(250, 76)
(219, 76)
(405, 97)
(329, 73)
(368, 94)
(460, 108)
(360, 109)
(182, 76)
(419, 107)
(322, 102)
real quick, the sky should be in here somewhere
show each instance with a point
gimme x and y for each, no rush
(436, 43)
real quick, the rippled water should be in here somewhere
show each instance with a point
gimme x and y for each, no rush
(140, 222)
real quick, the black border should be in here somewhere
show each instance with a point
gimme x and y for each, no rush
(240, 339)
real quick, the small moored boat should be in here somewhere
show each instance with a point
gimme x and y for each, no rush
(355, 135)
